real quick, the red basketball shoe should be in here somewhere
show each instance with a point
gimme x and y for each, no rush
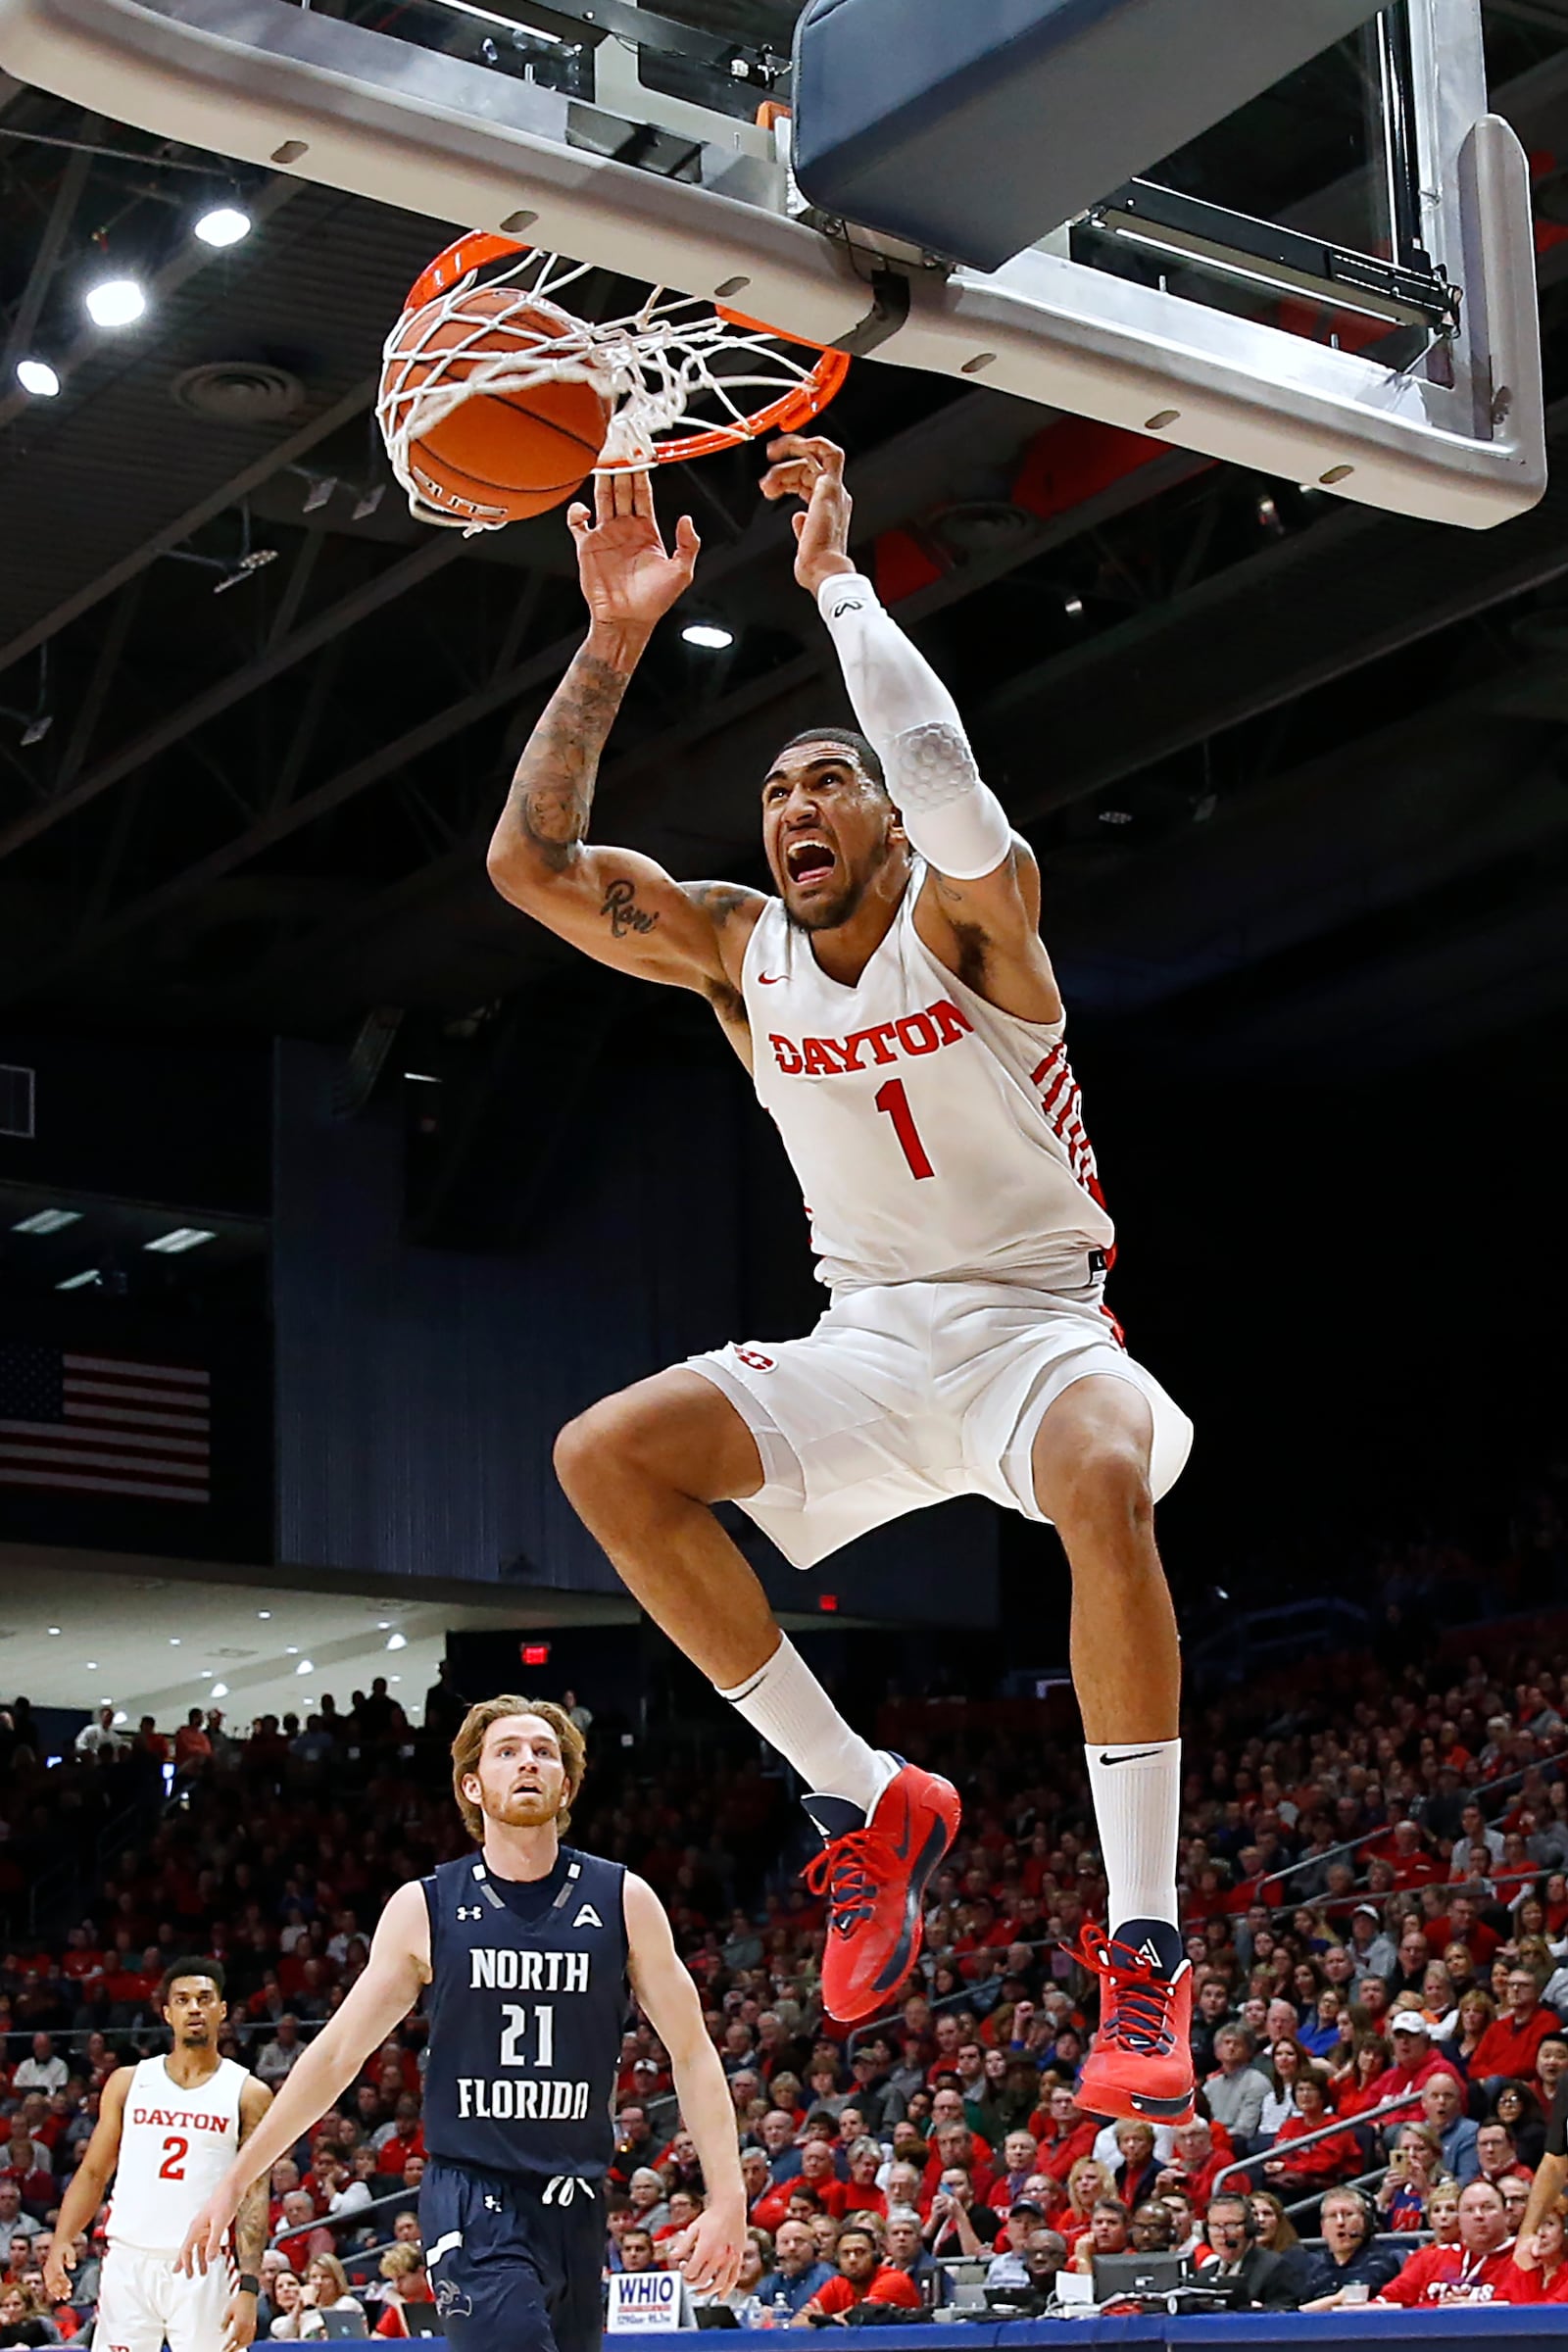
(1142, 2062)
(874, 1871)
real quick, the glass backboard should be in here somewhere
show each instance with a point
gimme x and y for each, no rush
(1335, 286)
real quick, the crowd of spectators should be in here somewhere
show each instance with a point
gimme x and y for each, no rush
(1375, 1889)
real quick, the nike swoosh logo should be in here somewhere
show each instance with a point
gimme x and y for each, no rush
(1137, 1757)
(772, 979)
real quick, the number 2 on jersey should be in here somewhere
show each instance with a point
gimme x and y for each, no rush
(893, 1099)
(172, 2167)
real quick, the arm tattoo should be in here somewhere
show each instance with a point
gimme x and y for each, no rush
(250, 2228)
(553, 790)
(622, 911)
(721, 899)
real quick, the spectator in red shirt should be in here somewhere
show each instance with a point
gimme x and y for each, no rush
(818, 2172)
(862, 2277)
(1064, 2133)
(1542, 2261)
(1195, 2163)
(1410, 1862)
(1337, 2158)
(407, 2141)
(1480, 2268)
(1508, 2048)
(1466, 1925)
(1416, 2062)
(34, 2185)
(1498, 2155)
(860, 2191)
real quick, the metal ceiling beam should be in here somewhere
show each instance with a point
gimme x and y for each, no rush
(45, 262)
(431, 557)
(228, 494)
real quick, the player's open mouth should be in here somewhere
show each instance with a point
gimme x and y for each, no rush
(809, 860)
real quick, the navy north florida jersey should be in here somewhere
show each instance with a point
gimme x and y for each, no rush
(527, 2003)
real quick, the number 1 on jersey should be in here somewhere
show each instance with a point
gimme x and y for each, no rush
(896, 1103)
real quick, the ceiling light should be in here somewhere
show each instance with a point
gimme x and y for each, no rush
(397, 1642)
(119, 1715)
(219, 1690)
(183, 1238)
(206, 1675)
(263, 1612)
(292, 1651)
(53, 1628)
(49, 1220)
(421, 1077)
(1073, 607)
(224, 224)
(708, 635)
(115, 302)
(37, 377)
(1115, 817)
(92, 1665)
(174, 1641)
(305, 1667)
(79, 1282)
(383, 1625)
(36, 730)
(397, 1678)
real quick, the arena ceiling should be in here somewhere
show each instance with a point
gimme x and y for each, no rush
(1298, 772)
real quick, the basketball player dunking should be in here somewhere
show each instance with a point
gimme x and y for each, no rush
(903, 1026)
(168, 2130)
(527, 1948)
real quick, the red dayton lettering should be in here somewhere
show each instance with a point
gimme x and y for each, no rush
(941, 1024)
(180, 2119)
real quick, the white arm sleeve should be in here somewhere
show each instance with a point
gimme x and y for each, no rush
(951, 817)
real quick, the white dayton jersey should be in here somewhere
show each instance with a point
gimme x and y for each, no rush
(175, 2148)
(934, 1137)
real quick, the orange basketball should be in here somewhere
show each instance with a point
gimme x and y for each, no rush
(499, 457)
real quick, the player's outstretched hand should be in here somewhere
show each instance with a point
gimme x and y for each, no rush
(712, 2258)
(57, 2269)
(207, 2238)
(807, 466)
(629, 579)
(239, 2322)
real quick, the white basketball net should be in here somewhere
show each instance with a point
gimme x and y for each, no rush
(650, 366)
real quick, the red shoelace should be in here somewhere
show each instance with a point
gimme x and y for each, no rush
(1140, 1997)
(847, 1872)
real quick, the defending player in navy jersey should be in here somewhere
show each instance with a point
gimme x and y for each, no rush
(527, 1948)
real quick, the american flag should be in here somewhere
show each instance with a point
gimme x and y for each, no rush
(103, 1425)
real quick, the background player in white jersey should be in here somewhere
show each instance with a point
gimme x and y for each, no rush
(904, 1027)
(168, 2131)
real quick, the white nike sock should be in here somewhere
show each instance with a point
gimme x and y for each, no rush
(1137, 1786)
(786, 1703)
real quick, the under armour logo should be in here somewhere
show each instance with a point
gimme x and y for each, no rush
(587, 1917)
(470, 1911)
(491, 2204)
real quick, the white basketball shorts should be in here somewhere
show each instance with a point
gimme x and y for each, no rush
(144, 2303)
(910, 1392)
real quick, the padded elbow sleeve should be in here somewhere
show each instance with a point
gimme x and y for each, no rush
(952, 816)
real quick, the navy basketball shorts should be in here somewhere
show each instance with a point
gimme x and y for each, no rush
(516, 2261)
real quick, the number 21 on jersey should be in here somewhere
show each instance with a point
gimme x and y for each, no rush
(515, 2030)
